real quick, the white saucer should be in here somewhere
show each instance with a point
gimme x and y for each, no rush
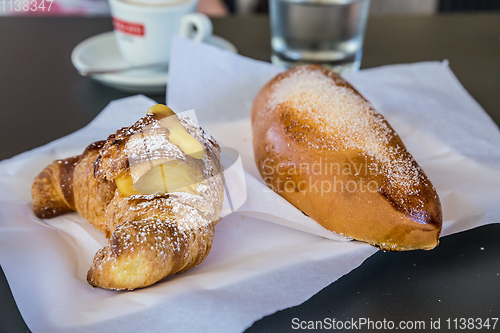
(101, 51)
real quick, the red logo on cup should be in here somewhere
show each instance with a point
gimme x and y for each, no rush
(136, 29)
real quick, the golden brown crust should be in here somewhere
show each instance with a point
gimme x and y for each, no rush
(92, 195)
(46, 201)
(150, 236)
(126, 264)
(52, 189)
(340, 162)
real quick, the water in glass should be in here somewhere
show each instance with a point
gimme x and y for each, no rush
(328, 32)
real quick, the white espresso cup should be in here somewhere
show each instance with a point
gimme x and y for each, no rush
(144, 28)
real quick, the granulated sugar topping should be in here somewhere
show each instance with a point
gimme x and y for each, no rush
(322, 112)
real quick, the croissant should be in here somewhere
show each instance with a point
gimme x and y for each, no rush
(324, 148)
(154, 188)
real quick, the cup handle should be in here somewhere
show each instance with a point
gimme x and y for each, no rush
(196, 26)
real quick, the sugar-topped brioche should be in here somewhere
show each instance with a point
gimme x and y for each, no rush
(324, 148)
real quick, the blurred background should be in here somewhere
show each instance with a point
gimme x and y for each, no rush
(218, 8)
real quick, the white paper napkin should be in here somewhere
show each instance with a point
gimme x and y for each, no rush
(254, 264)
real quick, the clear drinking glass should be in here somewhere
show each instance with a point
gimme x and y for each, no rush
(326, 32)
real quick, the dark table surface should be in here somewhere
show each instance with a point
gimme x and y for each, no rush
(43, 98)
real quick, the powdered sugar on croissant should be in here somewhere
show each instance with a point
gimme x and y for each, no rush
(154, 188)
